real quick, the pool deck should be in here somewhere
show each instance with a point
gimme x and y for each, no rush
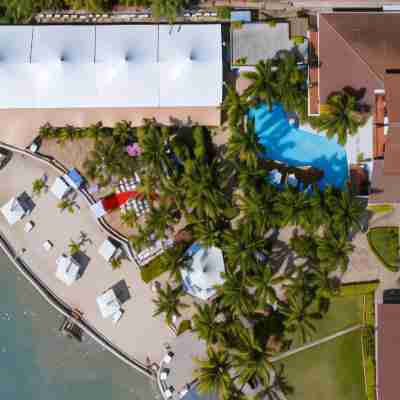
(138, 333)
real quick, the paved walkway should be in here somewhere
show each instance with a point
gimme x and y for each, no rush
(138, 333)
(315, 343)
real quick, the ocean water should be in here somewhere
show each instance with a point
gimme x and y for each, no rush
(37, 362)
(297, 147)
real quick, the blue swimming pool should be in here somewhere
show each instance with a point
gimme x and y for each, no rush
(297, 147)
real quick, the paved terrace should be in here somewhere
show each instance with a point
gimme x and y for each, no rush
(21, 126)
(137, 333)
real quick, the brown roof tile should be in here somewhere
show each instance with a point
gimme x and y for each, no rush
(388, 351)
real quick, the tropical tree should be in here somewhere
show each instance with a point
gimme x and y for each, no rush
(74, 247)
(122, 132)
(278, 385)
(116, 263)
(213, 374)
(160, 218)
(129, 218)
(235, 106)
(88, 5)
(340, 116)
(333, 251)
(235, 296)
(17, 11)
(298, 319)
(262, 87)
(169, 303)
(205, 323)
(250, 360)
(243, 145)
(168, 8)
(264, 281)
(345, 210)
(66, 204)
(305, 246)
(38, 185)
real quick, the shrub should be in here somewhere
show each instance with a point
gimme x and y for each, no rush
(297, 40)
(272, 23)
(358, 288)
(224, 12)
(241, 61)
(384, 242)
(360, 157)
(153, 269)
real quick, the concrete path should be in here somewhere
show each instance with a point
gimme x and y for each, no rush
(315, 343)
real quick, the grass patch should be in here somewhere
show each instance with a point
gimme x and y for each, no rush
(380, 208)
(330, 371)
(152, 270)
(384, 242)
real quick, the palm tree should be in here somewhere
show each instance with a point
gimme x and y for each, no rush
(37, 186)
(333, 251)
(235, 107)
(66, 204)
(235, 295)
(263, 281)
(243, 144)
(173, 260)
(168, 8)
(161, 218)
(122, 132)
(213, 374)
(74, 247)
(305, 246)
(169, 303)
(250, 360)
(94, 131)
(279, 385)
(205, 323)
(262, 87)
(129, 218)
(340, 116)
(346, 211)
(299, 319)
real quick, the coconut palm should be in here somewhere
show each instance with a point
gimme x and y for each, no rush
(245, 247)
(333, 251)
(235, 107)
(263, 281)
(129, 218)
(305, 246)
(235, 296)
(213, 374)
(298, 318)
(122, 132)
(262, 87)
(175, 259)
(243, 145)
(169, 303)
(279, 385)
(346, 211)
(205, 323)
(66, 204)
(250, 360)
(340, 116)
(38, 185)
(160, 218)
(74, 247)
(168, 8)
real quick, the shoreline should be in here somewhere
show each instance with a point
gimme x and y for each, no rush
(64, 309)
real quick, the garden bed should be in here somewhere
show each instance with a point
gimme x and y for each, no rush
(384, 242)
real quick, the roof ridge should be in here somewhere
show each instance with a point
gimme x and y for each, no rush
(354, 51)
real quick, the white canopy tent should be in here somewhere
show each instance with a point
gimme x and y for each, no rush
(60, 188)
(108, 303)
(204, 273)
(67, 269)
(73, 66)
(13, 211)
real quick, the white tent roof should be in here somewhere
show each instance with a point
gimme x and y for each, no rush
(107, 250)
(204, 273)
(108, 303)
(60, 188)
(13, 211)
(67, 66)
(67, 270)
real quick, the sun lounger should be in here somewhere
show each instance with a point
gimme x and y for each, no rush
(28, 227)
(116, 316)
(164, 375)
(168, 357)
(47, 245)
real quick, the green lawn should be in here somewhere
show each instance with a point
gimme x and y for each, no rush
(343, 313)
(384, 242)
(331, 371)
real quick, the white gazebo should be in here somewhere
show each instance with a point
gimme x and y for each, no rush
(204, 273)
(60, 188)
(108, 304)
(67, 269)
(13, 211)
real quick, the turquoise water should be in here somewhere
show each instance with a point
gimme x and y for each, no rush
(36, 362)
(297, 147)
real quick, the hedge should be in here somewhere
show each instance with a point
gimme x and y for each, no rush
(153, 269)
(384, 242)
